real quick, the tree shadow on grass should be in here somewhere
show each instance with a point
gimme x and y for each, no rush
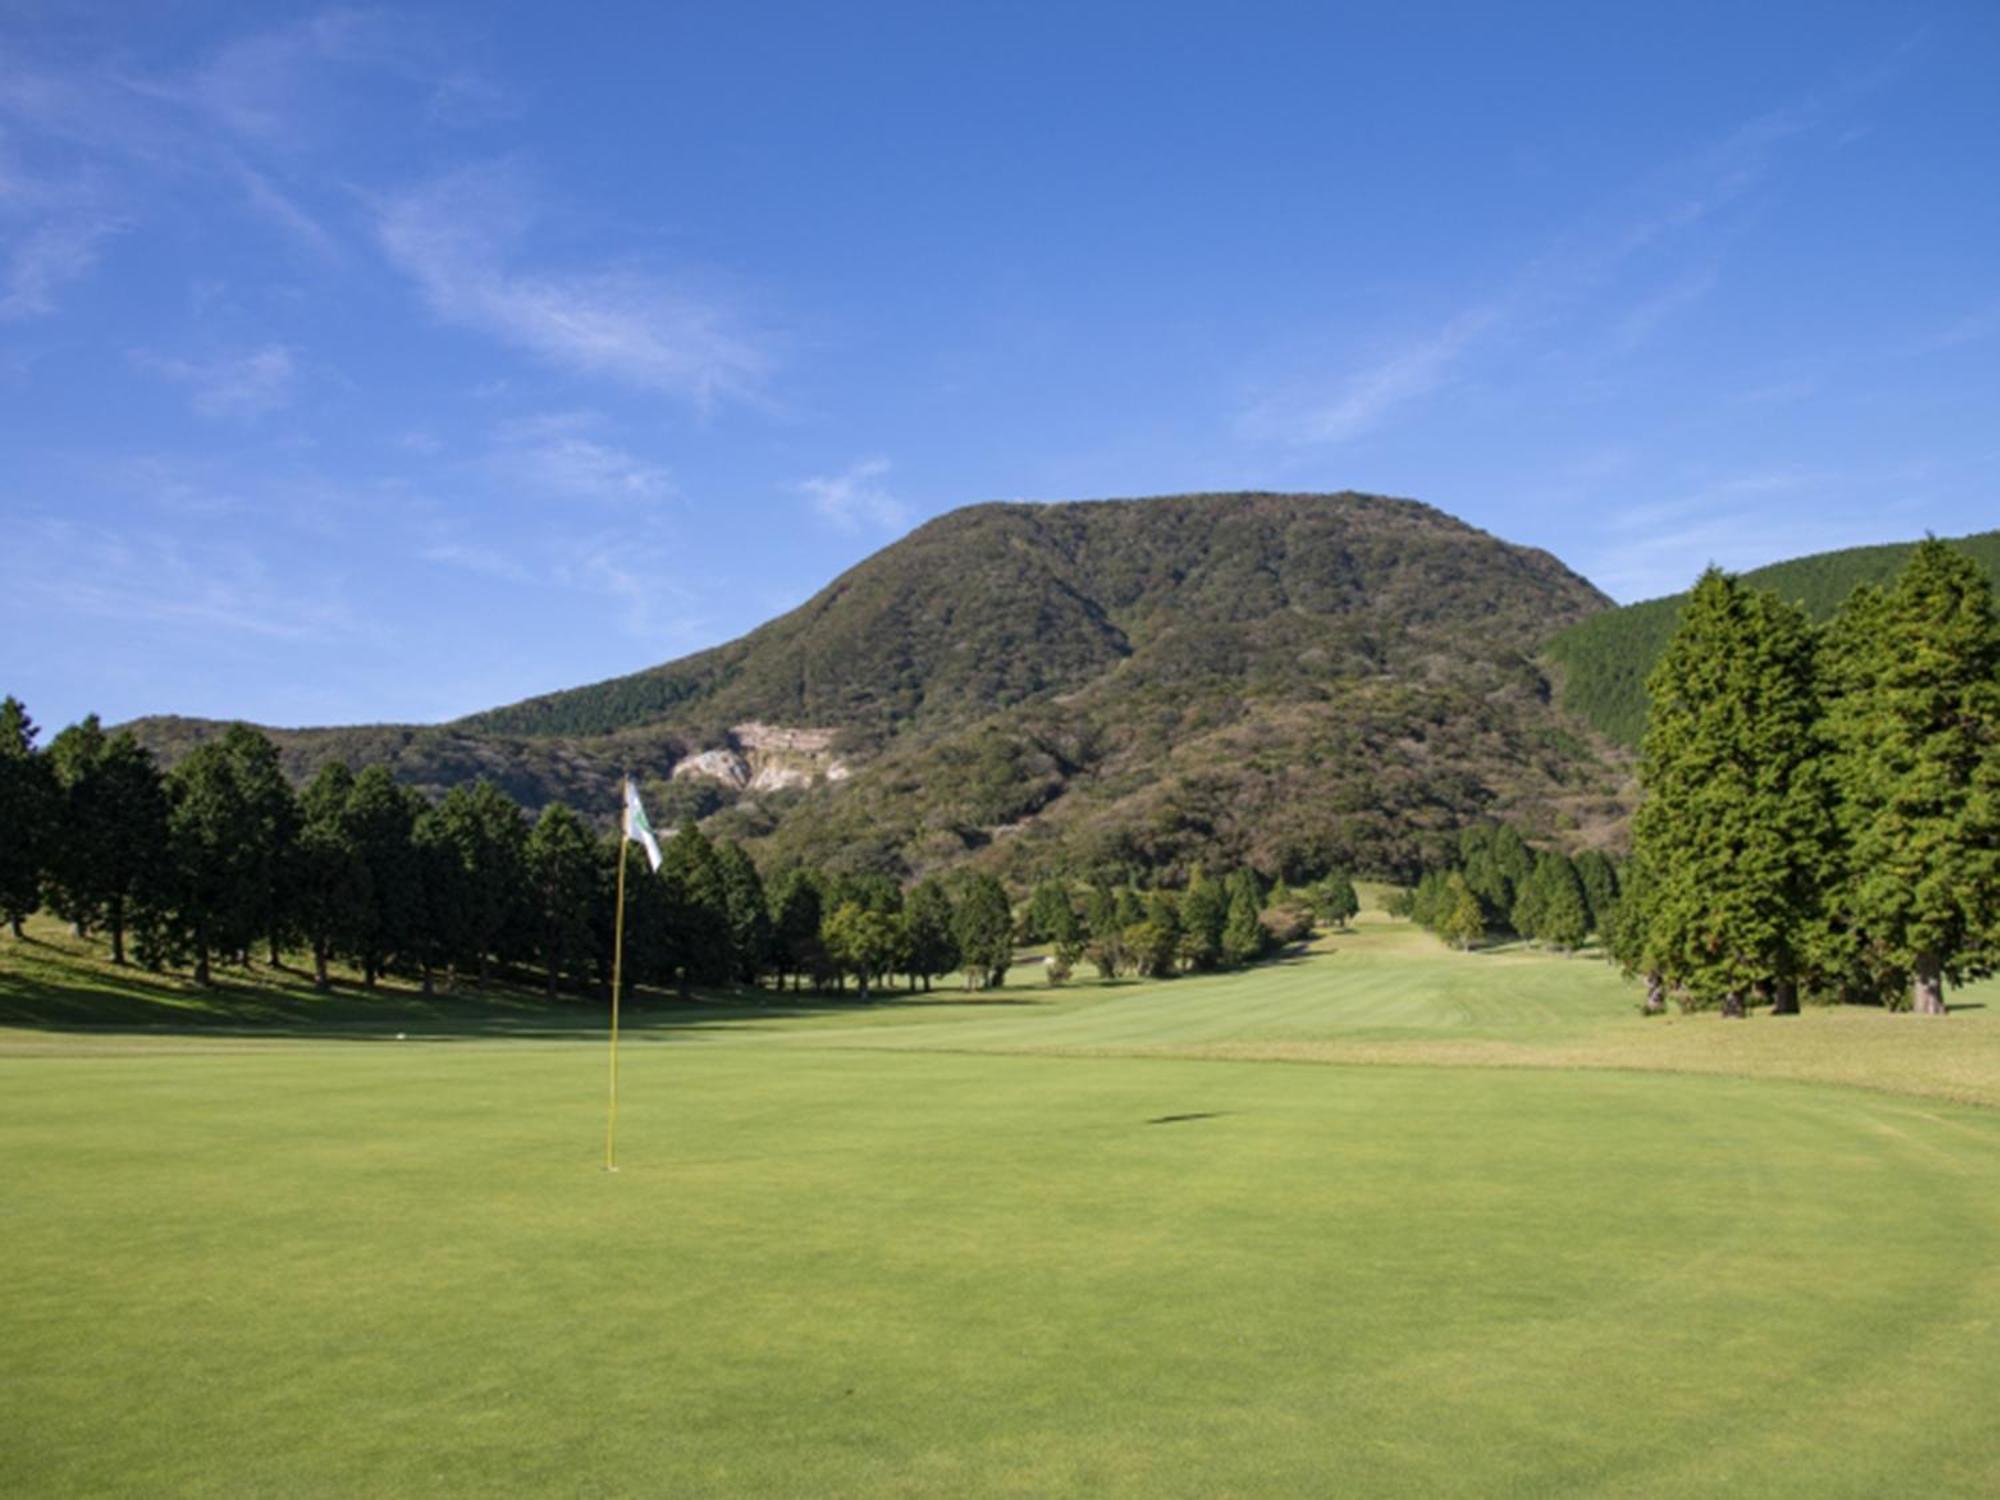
(142, 1003)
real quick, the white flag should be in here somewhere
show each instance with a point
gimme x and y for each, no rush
(636, 826)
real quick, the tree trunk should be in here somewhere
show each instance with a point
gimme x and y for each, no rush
(1656, 994)
(118, 931)
(430, 989)
(549, 982)
(1927, 987)
(1785, 998)
(1732, 1006)
(14, 921)
(201, 963)
(319, 964)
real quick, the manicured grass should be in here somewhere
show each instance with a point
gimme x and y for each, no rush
(1080, 1241)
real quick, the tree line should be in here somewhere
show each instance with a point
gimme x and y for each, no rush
(1499, 884)
(220, 860)
(1820, 808)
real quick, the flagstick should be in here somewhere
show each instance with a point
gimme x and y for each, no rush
(617, 980)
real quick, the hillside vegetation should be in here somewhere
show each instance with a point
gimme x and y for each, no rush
(1606, 658)
(1295, 681)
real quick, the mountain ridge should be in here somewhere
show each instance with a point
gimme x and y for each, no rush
(1295, 678)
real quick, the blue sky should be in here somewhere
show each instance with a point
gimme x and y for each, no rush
(364, 364)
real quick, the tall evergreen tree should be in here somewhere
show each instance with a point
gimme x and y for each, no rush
(1156, 942)
(1460, 921)
(485, 829)
(1736, 822)
(1105, 926)
(985, 932)
(28, 814)
(114, 828)
(380, 821)
(749, 911)
(330, 882)
(795, 917)
(212, 891)
(1045, 903)
(560, 859)
(1915, 725)
(1564, 918)
(699, 899)
(1066, 938)
(1242, 932)
(273, 820)
(930, 928)
(1204, 913)
(1599, 878)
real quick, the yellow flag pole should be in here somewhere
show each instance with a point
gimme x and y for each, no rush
(617, 981)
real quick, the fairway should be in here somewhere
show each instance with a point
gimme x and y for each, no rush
(1260, 1234)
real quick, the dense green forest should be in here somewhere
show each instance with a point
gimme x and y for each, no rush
(1605, 659)
(1294, 682)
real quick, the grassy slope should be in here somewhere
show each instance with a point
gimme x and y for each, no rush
(1052, 1243)
(1607, 658)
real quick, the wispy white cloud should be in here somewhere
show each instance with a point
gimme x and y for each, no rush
(163, 580)
(459, 239)
(1741, 521)
(44, 257)
(856, 498)
(1364, 398)
(233, 385)
(1563, 282)
(284, 212)
(1638, 324)
(1974, 328)
(565, 454)
(474, 557)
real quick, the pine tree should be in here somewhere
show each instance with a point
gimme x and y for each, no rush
(1735, 826)
(795, 918)
(1460, 924)
(485, 828)
(985, 932)
(330, 900)
(1335, 900)
(1050, 897)
(273, 814)
(930, 935)
(211, 894)
(749, 911)
(699, 902)
(1242, 933)
(560, 856)
(28, 815)
(113, 813)
(1066, 939)
(1599, 878)
(1204, 913)
(1156, 941)
(1530, 903)
(380, 821)
(1564, 918)
(1915, 726)
(1105, 926)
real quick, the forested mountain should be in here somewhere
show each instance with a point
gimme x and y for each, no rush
(1299, 681)
(1606, 658)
